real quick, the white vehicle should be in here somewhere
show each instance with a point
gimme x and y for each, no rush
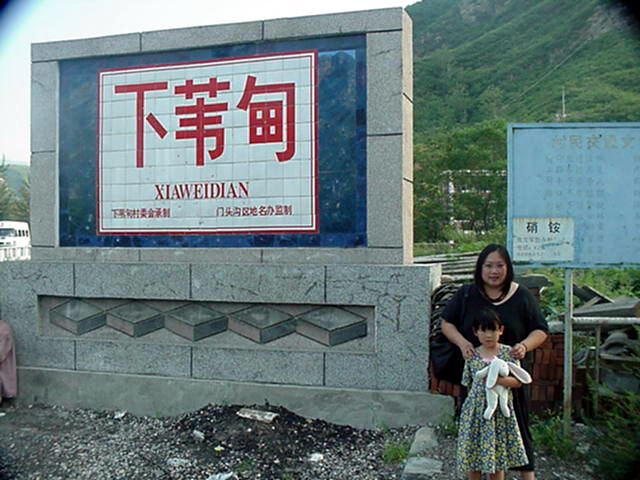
(15, 241)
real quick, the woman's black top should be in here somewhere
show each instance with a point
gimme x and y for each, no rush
(520, 314)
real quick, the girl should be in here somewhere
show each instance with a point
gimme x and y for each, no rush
(492, 445)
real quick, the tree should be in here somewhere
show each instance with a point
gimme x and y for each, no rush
(6, 194)
(430, 200)
(22, 204)
(460, 176)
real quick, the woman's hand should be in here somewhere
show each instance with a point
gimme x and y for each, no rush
(533, 341)
(466, 348)
(451, 332)
(518, 351)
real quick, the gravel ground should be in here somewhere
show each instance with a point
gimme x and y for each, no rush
(213, 443)
(40, 442)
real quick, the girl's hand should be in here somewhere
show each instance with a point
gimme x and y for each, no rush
(518, 351)
(509, 382)
(467, 349)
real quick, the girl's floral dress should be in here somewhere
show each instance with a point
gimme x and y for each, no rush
(487, 445)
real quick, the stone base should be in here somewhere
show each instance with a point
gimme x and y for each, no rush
(165, 396)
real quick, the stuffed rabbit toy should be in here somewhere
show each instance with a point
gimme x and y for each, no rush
(498, 393)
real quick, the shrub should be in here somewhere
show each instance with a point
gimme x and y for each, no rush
(618, 452)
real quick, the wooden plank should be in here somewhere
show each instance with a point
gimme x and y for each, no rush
(581, 293)
(596, 293)
(629, 307)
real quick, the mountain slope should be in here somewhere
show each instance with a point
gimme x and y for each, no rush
(480, 59)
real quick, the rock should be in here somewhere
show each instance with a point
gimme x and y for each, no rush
(419, 467)
(223, 476)
(198, 435)
(316, 457)
(177, 462)
(266, 417)
(424, 439)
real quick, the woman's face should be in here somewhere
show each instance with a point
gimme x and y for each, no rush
(494, 270)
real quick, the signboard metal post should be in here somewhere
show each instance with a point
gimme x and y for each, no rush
(568, 349)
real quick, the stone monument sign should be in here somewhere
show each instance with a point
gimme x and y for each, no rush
(224, 214)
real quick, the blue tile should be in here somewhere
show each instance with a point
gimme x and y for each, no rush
(341, 149)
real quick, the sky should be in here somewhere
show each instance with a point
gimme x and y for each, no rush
(23, 22)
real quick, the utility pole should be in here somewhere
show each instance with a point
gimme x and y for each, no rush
(561, 117)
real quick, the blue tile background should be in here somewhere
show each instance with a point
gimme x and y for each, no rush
(342, 152)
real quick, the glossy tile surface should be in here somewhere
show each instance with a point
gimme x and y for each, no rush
(341, 150)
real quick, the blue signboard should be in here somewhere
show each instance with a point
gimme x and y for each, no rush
(574, 194)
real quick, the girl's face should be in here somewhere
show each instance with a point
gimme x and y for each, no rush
(489, 338)
(494, 270)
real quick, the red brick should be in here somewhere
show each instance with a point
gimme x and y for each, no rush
(535, 393)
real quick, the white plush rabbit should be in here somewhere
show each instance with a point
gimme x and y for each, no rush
(497, 393)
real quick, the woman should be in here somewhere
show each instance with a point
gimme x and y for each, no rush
(525, 329)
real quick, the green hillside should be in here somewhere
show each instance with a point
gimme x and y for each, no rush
(480, 64)
(475, 60)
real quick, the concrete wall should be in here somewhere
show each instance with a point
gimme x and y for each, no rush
(55, 363)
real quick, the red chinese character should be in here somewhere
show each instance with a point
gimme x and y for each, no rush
(200, 120)
(139, 90)
(266, 118)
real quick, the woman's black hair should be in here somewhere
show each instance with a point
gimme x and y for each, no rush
(477, 274)
(486, 319)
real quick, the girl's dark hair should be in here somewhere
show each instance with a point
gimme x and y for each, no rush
(477, 274)
(486, 319)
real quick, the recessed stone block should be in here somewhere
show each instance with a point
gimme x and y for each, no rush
(331, 325)
(106, 304)
(164, 305)
(225, 307)
(77, 317)
(195, 322)
(135, 319)
(261, 324)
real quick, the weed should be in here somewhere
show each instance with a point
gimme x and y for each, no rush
(384, 428)
(448, 428)
(395, 451)
(548, 433)
(246, 465)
